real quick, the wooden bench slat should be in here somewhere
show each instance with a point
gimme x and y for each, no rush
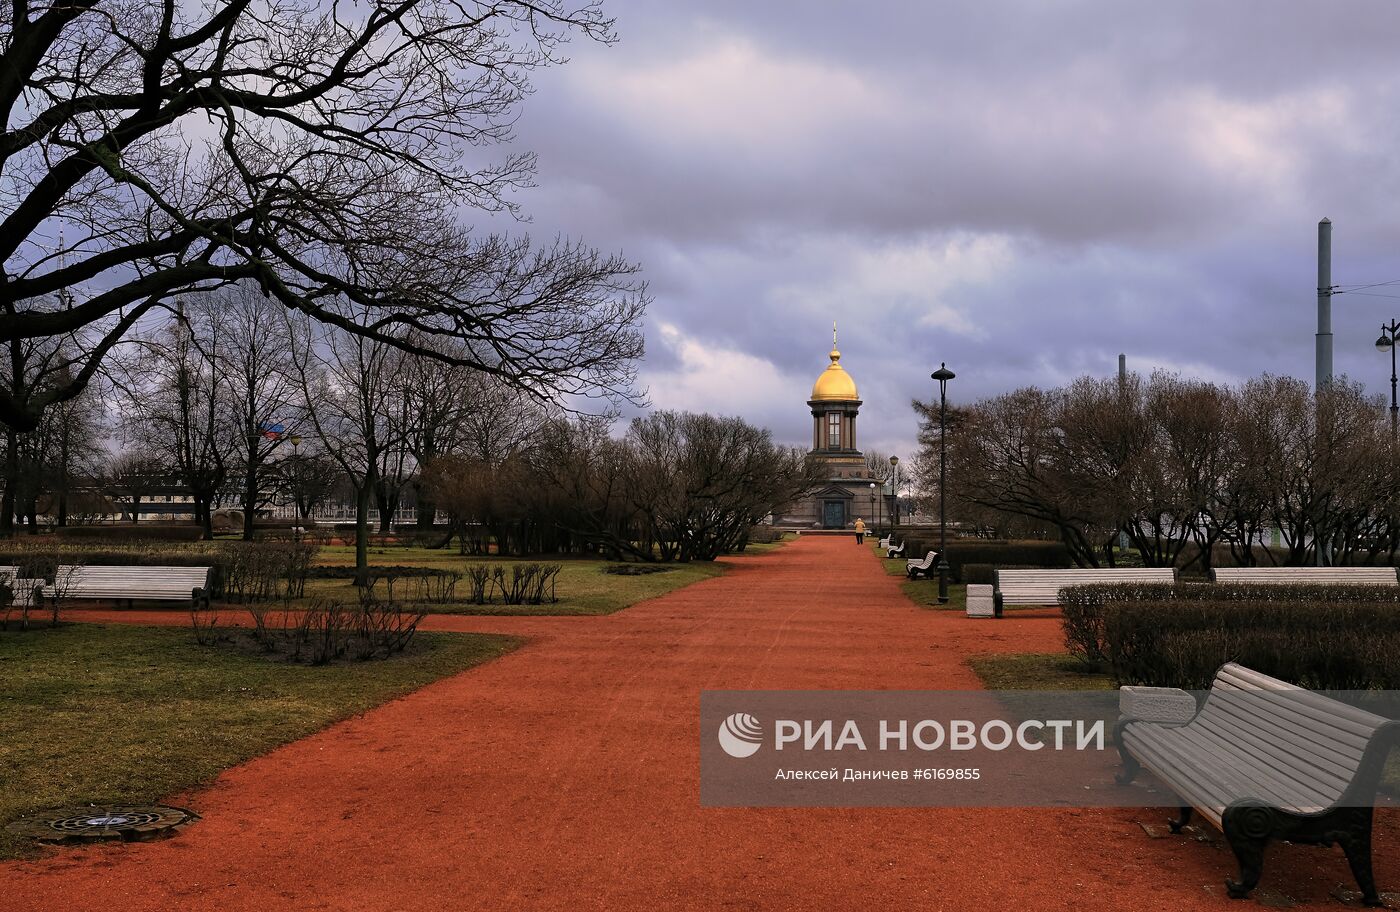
(159, 583)
(1268, 753)
(1042, 587)
(1223, 778)
(1360, 576)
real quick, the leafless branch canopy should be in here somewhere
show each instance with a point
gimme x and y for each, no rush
(324, 150)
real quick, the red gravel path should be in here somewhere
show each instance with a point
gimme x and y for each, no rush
(564, 776)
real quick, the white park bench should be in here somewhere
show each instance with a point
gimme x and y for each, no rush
(1042, 587)
(1263, 760)
(130, 583)
(1332, 576)
(891, 552)
(914, 568)
(885, 543)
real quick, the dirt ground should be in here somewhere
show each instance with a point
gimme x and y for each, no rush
(565, 776)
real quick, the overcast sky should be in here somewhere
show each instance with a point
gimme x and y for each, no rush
(1022, 189)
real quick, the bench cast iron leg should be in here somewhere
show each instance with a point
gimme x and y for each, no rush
(1247, 828)
(1356, 843)
(1184, 818)
(1130, 765)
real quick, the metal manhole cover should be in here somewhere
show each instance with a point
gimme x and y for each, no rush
(129, 823)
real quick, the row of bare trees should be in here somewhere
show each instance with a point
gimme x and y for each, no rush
(332, 155)
(1186, 469)
(676, 486)
(218, 221)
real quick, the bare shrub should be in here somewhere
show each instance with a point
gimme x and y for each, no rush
(479, 579)
(204, 620)
(298, 559)
(384, 627)
(440, 588)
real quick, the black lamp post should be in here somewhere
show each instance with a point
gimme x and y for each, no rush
(1387, 343)
(894, 492)
(875, 507)
(942, 375)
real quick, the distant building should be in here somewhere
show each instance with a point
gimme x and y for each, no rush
(846, 492)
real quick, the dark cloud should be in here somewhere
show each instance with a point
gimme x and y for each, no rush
(1023, 189)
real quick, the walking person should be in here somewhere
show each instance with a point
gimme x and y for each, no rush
(860, 531)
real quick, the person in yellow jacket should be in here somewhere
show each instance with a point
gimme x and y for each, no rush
(860, 531)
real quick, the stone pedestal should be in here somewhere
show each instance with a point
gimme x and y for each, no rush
(980, 603)
(1157, 704)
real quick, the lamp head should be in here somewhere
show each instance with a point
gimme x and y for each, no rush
(943, 375)
(1384, 343)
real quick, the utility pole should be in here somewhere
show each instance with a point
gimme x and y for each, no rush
(1123, 543)
(1324, 337)
(1324, 305)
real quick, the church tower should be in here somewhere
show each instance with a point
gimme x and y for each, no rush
(835, 404)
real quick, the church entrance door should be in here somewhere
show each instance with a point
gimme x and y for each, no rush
(834, 514)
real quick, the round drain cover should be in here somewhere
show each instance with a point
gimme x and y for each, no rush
(129, 823)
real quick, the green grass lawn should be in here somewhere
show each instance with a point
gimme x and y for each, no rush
(583, 587)
(1037, 671)
(765, 547)
(117, 714)
(923, 591)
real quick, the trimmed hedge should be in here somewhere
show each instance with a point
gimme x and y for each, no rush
(1083, 608)
(1182, 643)
(986, 573)
(138, 532)
(1028, 555)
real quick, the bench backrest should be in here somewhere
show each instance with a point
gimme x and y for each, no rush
(129, 582)
(1299, 745)
(1356, 576)
(1042, 587)
(927, 560)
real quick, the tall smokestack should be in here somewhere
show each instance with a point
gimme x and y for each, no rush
(1324, 304)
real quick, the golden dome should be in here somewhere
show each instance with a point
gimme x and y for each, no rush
(834, 382)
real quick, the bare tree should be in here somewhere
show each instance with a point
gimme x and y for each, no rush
(324, 152)
(175, 402)
(131, 477)
(347, 385)
(263, 400)
(701, 482)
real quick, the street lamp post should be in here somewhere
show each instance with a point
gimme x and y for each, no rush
(295, 441)
(943, 375)
(875, 507)
(894, 492)
(1387, 343)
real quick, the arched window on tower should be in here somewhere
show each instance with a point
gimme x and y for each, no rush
(833, 431)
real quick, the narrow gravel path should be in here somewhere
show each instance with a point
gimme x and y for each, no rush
(565, 776)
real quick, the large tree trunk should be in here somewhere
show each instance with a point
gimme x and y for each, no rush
(204, 515)
(362, 497)
(386, 506)
(250, 489)
(427, 512)
(7, 496)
